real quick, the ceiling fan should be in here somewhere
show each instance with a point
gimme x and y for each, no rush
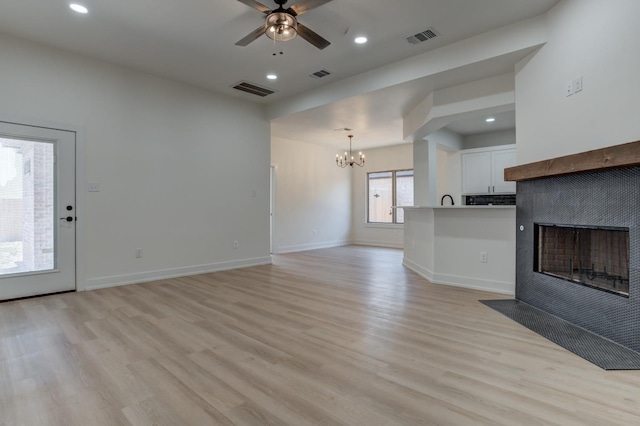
(281, 24)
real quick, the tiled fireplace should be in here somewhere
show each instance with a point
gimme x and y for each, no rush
(578, 241)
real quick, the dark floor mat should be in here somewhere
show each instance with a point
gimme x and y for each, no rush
(596, 349)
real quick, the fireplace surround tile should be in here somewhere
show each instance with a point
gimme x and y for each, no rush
(603, 198)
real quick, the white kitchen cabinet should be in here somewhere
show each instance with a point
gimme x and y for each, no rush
(476, 172)
(500, 160)
(483, 170)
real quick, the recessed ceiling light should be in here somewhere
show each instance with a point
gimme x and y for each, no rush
(272, 76)
(360, 40)
(490, 120)
(79, 8)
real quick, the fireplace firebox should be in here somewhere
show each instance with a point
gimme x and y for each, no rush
(596, 257)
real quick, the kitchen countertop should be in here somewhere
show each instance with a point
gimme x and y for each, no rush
(453, 207)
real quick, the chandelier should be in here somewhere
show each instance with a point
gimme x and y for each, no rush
(348, 160)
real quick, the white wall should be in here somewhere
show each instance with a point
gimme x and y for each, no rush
(444, 245)
(442, 175)
(419, 249)
(599, 41)
(397, 157)
(454, 177)
(422, 166)
(460, 235)
(312, 197)
(178, 166)
(489, 139)
(429, 184)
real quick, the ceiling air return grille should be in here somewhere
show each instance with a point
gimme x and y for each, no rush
(425, 35)
(252, 88)
(320, 74)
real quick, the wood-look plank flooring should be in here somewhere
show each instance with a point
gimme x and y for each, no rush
(343, 336)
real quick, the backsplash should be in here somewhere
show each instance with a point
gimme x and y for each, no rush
(493, 199)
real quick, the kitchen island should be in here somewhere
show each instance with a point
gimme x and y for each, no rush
(464, 246)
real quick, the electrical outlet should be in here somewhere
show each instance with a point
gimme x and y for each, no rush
(577, 84)
(236, 244)
(484, 258)
(138, 253)
(569, 88)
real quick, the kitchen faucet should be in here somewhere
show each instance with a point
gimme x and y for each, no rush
(443, 197)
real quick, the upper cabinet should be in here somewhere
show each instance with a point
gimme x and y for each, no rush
(483, 170)
(476, 172)
(500, 160)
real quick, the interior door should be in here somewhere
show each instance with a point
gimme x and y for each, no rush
(37, 211)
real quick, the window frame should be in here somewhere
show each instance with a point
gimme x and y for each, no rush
(394, 216)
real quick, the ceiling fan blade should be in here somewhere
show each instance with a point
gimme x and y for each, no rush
(254, 4)
(304, 6)
(312, 37)
(251, 36)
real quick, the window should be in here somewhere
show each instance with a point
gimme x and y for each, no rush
(386, 189)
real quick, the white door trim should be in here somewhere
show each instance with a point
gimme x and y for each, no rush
(273, 171)
(81, 185)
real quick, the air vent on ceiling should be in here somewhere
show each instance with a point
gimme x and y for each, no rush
(320, 74)
(425, 35)
(252, 88)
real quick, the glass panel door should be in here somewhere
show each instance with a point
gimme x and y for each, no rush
(27, 206)
(37, 211)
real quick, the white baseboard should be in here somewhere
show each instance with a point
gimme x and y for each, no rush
(377, 244)
(420, 270)
(502, 287)
(311, 246)
(119, 280)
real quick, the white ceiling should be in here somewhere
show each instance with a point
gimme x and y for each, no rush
(477, 125)
(376, 117)
(193, 41)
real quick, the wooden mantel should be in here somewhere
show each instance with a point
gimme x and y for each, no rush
(625, 155)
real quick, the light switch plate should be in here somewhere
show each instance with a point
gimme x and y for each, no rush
(569, 88)
(577, 84)
(94, 187)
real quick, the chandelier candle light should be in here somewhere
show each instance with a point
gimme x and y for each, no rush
(348, 160)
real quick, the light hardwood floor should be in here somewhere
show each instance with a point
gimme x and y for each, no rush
(337, 336)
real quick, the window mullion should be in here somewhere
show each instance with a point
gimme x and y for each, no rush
(393, 197)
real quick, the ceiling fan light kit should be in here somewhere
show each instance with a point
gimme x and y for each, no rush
(281, 27)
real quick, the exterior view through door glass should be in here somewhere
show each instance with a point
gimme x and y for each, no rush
(37, 211)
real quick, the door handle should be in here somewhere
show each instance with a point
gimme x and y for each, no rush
(68, 218)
